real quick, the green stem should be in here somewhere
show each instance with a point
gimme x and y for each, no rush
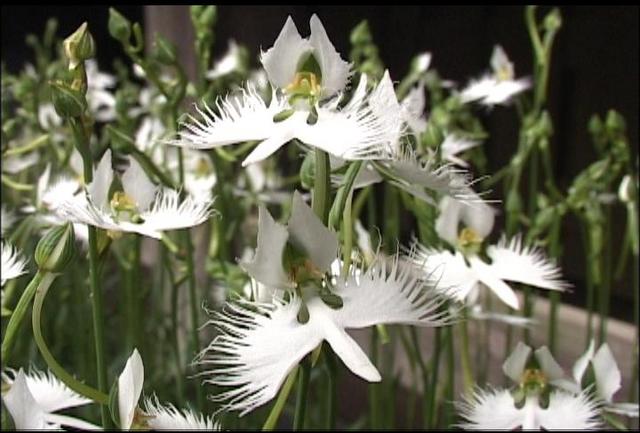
(332, 385)
(606, 277)
(433, 383)
(465, 358)
(174, 325)
(54, 366)
(301, 399)
(343, 194)
(274, 415)
(13, 326)
(321, 187)
(32, 145)
(347, 232)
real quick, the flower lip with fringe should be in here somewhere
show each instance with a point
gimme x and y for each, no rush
(32, 399)
(303, 73)
(261, 342)
(142, 207)
(13, 265)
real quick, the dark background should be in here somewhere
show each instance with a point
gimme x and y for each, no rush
(594, 66)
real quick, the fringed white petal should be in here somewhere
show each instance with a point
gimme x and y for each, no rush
(234, 120)
(335, 71)
(52, 394)
(23, 408)
(13, 264)
(130, 384)
(390, 291)
(168, 417)
(570, 412)
(266, 264)
(168, 212)
(7, 219)
(385, 106)
(513, 261)
(413, 110)
(61, 190)
(454, 145)
(258, 346)
(489, 410)
(281, 60)
(308, 234)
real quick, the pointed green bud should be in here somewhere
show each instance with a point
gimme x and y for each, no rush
(615, 122)
(68, 102)
(308, 170)
(79, 46)
(56, 249)
(361, 34)
(113, 404)
(164, 51)
(553, 21)
(203, 18)
(119, 26)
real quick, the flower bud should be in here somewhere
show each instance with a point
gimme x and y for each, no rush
(119, 26)
(615, 122)
(79, 46)
(308, 171)
(68, 102)
(553, 21)
(203, 18)
(56, 249)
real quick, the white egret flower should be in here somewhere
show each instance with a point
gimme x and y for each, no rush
(453, 145)
(32, 399)
(155, 416)
(7, 219)
(230, 62)
(413, 110)
(261, 342)
(304, 73)
(142, 207)
(475, 216)
(499, 86)
(102, 102)
(510, 261)
(607, 378)
(535, 403)
(13, 264)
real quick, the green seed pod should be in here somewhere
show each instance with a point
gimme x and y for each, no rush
(119, 26)
(56, 249)
(79, 46)
(68, 102)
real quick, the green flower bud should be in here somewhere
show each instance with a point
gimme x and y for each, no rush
(119, 26)
(308, 171)
(361, 34)
(615, 122)
(203, 18)
(553, 21)
(68, 102)
(79, 46)
(164, 51)
(56, 249)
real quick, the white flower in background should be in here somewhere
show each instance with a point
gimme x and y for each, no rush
(607, 378)
(231, 61)
(510, 261)
(475, 216)
(142, 207)
(7, 219)
(13, 265)
(497, 87)
(32, 399)
(148, 138)
(155, 416)
(102, 102)
(14, 164)
(413, 110)
(453, 145)
(304, 73)
(261, 342)
(535, 403)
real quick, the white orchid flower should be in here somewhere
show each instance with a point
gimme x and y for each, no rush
(413, 110)
(498, 87)
(230, 62)
(303, 73)
(155, 416)
(7, 219)
(102, 102)
(535, 404)
(142, 207)
(607, 378)
(13, 264)
(14, 164)
(453, 145)
(474, 214)
(510, 261)
(261, 342)
(32, 399)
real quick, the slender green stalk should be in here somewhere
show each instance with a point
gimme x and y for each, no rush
(54, 366)
(605, 290)
(18, 314)
(343, 194)
(451, 385)
(347, 233)
(332, 385)
(174, 325)
(321, 187)
(433, 384)
(465, 358)
(301, 399)
(274, 415)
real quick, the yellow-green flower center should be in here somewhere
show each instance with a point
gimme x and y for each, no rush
(469, 241)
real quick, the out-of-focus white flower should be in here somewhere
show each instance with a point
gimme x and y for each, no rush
(33, 398)
(499, 86)
(607, 378)
(413, 110)
(14, 164)
(261, 342)
(230, 62)
(7, 219)
(510, 261)
(453, 145)
(304, 74)
(168, 417)
(142, 207)
(473, 214)
(535, 404)
(102, 102)
(13, 264)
